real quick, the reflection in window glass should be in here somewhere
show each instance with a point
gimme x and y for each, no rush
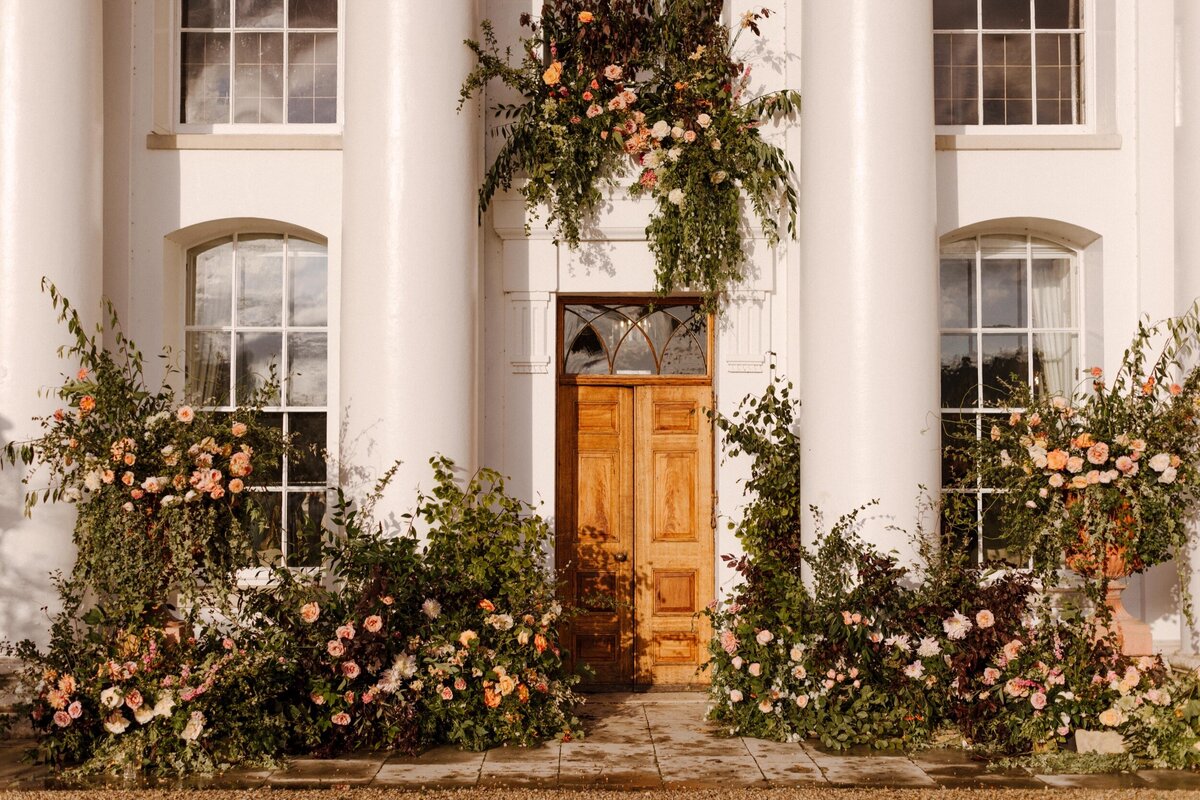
(258, 61)
(1008, 62)
(1025, 294)
(237, 337)
(634, 340)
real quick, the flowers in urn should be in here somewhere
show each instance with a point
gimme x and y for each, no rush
(1107, 477)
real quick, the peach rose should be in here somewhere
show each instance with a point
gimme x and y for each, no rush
(586, 16)
(1056, 459)
(373, 623)
(340, 718)
(185, 414)
(1098, 453)
(238, 429)
(553, 73)
(309, 612)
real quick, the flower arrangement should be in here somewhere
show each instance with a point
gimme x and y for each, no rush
(162, 490)
(1106, 477)
(653, 90)
(866, 651)
(117, 699)
(450, 637)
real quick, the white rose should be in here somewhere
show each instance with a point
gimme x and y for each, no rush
(164, 706)
(116, 723)
(735, 696)
(91, 481)
(1168, 475)
(110, 697)
(677, 132)
(1160, 462)
(653, 159)
(674, 153)
(704, 120)
(797, 653)
(143, 714)
(755, 669)
(764, 637)
(737, 662)
(661, 130)
(676, 197)
(195, 726)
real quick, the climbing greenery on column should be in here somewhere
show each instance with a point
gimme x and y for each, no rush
(652, 91)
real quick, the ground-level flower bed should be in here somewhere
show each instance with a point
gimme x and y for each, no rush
(443, 632)
(838, 642)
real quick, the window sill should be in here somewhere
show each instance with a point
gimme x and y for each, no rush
(243, 141)
(1028, 141)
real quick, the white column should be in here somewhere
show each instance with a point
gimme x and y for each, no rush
(410, 244)
(1187, 212)
(869, 311)
(51, 155)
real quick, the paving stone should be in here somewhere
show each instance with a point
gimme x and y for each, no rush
(1122, 780)
(1170, 778)
(231, 779)
(611, 724)
(869, 769)
(438, 768)
(521, 766)
(784, 764)
(307, 772)
(710, 772)
(609, 765)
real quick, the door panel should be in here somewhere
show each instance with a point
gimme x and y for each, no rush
(635, 538)
(595, 526)
(674, 539)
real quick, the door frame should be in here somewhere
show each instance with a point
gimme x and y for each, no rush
(630, 381)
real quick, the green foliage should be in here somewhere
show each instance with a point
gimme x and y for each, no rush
(652, 86)
(162, 491)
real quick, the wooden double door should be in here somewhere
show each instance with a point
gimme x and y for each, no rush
(635, 530)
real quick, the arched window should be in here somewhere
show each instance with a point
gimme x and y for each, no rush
(258, 303)
(1011, 306)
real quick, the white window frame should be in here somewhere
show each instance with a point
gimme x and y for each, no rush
(176, 125)
(1088, 75)
(260, 575)
(1079, 330)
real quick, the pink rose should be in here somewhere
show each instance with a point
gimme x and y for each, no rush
(351, 670)
(336, 648)
(62, 719)
(309, 612)
(345, 632)
(75, 710)
(373, 623)
(447, 693)
(340, 718)
(133, 699)
(1037, 700)
(1126, 465)
(1098, 453)
(185, 414)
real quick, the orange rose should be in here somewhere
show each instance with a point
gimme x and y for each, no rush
(87, 404)
(487, 605)
(1056, 459)
(490, 698)
(585, 17)
(553, 73)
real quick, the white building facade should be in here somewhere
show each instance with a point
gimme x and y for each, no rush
(987, 186)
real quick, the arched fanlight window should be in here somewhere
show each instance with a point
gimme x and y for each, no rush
(257, 303)
(634, 339)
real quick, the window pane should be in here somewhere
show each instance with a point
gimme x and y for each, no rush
(958, 432)
(307, 283)
(312, 13)
(587, 355)
(954, 14)
(209, 285)
(1057, 13)
(206, 368)
(274, 421)
(258, 77)
(306, 511)
(204, 83)
(1055, 363)
(1005, 361)
(956, 79)
(995, 544)
(260, 281)
(307, 363)
(1006, 14)
(262, 517)
(259, 14)
(683, 356)
(634, 356)
(960, 525)
(1053, 293)
(958, 292)
(960, 375)
(258, 357)
(308, 434)
(206, 13)
(1002, 297)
